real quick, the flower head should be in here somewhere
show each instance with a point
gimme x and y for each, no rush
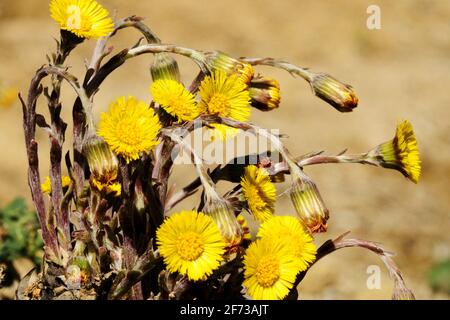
(270, 269)
(340, 95)
(222, 213)
(84, 18)
(191, 244)
(265, 93)
(175, 99)
(259, 192)
(400, 153)
(130, 127)
(309, 205)
(103, 164)
(219, 61)
(225, 96)
(46, 186)
(290, 228)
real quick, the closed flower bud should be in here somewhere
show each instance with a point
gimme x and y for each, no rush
(400, 153)
(340, 95)
(223, 215)
(103, 165)
(165, 67)
(219, 61)
(309, 204)
(264, 93)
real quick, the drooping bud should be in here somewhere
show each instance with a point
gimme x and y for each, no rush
(221, 211)
(219, 61)
(165, 67)
(400, 153)
(309, 204)
(264, 93)
(103, 165)
(340, 95)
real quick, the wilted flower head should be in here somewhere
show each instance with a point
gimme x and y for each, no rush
(309, 204)
(340, 95)
(400, 153)
(84, 18)
(265, 93)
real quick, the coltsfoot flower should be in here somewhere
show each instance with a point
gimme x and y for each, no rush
(265, 93)
(190, 244)
(222, 213)
(309, 205)
(401, 153)
(84, 18)
(259, 192)
(103, 164)
(225, 96)
(219, 61)
(46, 186)
(290, 228)
(129, 127)
(270, 269)
(175, 99)
(340, 95)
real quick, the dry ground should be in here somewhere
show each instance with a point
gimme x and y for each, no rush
(401, 71)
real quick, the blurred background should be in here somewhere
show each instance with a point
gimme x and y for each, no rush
(401, 71)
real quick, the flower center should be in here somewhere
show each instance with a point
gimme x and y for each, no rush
(190, 246)
(268, 271)
(219, 105)
(128, 133)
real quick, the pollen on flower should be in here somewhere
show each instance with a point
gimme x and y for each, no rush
(268, 271)
(190, 246)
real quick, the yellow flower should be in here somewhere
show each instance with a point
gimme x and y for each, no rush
(259, 192)
(103, 165)
(130, 127)
(270, 269)
(400, 153)
(265, 93)
(225, 96)
(8, 96)
(84, 18)
(175, 99)
(290, 228)
(46, 186)
(190, 244)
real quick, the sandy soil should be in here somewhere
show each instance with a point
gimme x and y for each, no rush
(399, 72)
